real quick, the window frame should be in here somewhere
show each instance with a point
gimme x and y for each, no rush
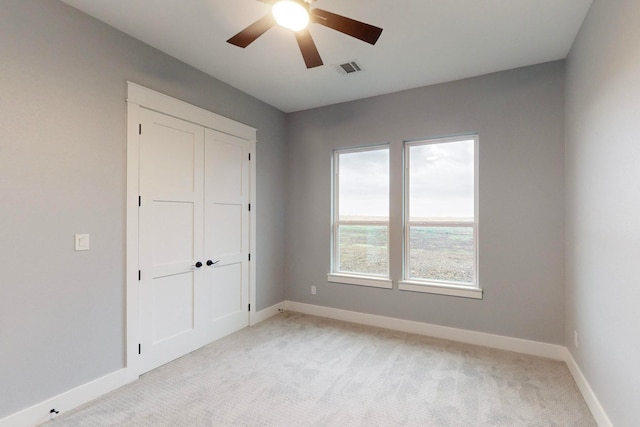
(359, 279)
(451, 288)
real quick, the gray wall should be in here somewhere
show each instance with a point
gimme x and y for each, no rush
(603, 205)
(62, 161)
(519, 117)
(62, 157)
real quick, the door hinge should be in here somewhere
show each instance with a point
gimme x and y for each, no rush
(139, 348)
(249, 156)
(139, 201)
(249, 207)
(249, 257)
(140, 129)
(249, 307)
(139, 275)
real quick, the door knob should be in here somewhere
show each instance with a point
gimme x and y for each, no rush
(210, 263)
(198, 264)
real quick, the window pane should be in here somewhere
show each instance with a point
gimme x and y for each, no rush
(441, 253)
(364, 185)
(363, 249)
(441, 181)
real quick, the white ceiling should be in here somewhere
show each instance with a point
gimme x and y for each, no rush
(424, 42)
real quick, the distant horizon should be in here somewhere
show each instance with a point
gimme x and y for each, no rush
(364, 218)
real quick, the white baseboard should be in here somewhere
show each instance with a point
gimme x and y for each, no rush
(518, 345)
(39, 413)
(587, 392)
(262, 315)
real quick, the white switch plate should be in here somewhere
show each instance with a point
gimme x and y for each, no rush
(82, 242)
(313, 290)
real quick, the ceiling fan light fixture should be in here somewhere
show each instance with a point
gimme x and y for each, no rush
(290, 14)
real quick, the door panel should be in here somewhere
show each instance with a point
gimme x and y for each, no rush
(170, 164)
(227, 165)
(172, 306)
(227, 239)
(226, 295)
(226, 232)
(171, 240)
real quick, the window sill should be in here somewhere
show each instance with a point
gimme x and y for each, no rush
(348, 279)
(441, 289)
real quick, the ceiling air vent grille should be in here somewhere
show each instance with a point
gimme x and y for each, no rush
(350, 67)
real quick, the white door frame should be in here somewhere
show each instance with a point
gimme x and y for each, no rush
(138, 97)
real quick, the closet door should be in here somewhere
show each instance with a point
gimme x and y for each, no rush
(171, 237)
(226, 234)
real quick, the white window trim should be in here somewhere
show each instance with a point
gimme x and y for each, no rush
(375, 281)
(440, 289)
(472, 290)
(353, 279)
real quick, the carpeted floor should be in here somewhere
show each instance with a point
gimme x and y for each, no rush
(298, 370)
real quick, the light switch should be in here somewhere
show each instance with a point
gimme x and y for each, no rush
(82, 242)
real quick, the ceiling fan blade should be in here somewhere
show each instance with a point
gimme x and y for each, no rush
(247, 36)
(308, 49)
(351, 27)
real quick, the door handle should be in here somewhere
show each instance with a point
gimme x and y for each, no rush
(210, 263)
(197, 265)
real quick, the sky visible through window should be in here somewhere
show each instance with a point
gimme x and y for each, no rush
(364, 184)
(441, 182)
(441, 178)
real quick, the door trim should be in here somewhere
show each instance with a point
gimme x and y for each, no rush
(137, 98)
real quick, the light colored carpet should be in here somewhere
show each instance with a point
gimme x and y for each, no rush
(298, 370)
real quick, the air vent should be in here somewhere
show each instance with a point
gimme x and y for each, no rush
(350, 67)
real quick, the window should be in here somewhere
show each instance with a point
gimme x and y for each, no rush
(436, 191)
(361, 217)
(440, 217)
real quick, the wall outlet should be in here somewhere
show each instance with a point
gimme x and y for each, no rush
(575, 338)
(313, 290)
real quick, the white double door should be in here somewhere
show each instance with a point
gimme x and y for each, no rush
(194, 237)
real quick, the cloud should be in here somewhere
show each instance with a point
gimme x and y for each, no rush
(441, 181)
(364, 183)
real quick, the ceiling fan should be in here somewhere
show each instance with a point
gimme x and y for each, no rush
(296, 15)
